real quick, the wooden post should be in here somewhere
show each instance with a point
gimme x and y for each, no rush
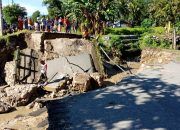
(174, 39)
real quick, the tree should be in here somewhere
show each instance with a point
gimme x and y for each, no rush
(163, 11)
(12, 12)
(54, 7)
(35, 15)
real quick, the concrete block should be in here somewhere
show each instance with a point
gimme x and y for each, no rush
(70, 64)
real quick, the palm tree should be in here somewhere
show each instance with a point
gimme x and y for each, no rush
(94, 12)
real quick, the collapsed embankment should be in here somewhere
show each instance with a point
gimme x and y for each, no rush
(148, 56)
(35, 46)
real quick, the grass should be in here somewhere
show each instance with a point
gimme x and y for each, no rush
(6, 39)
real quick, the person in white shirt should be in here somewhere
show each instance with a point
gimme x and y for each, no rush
(43, 75)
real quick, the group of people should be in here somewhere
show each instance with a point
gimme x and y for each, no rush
(48, 25)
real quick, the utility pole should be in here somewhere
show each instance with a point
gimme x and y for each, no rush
(1, 20)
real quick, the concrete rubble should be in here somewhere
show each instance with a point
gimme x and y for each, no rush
(74, 66)
(4, 108)
(81, 82)
(9, 70)
(18, 95)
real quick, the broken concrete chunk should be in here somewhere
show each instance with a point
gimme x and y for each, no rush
(19, 95)
(5, 107)
(62, 85)
(97, 80)
(81, 82)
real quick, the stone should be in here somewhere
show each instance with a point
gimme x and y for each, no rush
(52, 87)
(30, 105)
(10, 71)
(156, 56)
(62, 85)
(58, 81)
(4, 108)
(81, 82)
(97, 80)
(19, 95)
(37, 106)
(52, 95)
(61, 93)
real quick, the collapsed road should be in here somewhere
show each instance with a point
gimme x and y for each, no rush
(149, 100)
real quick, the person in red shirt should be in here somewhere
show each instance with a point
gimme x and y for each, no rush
(20, 23)
(67, 25)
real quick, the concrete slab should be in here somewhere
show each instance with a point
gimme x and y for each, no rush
(53, 83)
(70, 64)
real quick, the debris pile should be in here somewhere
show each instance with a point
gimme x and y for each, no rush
(18, 95)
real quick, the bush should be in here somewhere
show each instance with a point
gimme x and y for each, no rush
(157, 30)
(178, 27)
(125, 31)
(154, 40)
(146, 23)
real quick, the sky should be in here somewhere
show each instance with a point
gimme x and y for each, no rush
(30, 5)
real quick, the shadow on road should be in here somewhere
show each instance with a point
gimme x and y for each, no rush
(135, 103)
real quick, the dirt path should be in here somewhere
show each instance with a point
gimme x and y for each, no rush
(25, 119)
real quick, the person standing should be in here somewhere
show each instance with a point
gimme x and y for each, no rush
(75, 25)
(25, 23)
(48, 25)
(20, 23)
(37, 25)
(67, 25)
(30, 24)
(43, 76)
(61, 21)
(55, 27)
(43, 23)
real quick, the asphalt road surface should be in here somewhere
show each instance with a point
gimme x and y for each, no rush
(148, 101)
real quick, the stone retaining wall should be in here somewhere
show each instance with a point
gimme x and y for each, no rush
(156, 56)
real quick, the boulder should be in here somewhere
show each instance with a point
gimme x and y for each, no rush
(62, 84)
(81, 82)
(10, 71)
(97, 80)
(61, 93)
(37, 106)
(5, 107)
(19, 95)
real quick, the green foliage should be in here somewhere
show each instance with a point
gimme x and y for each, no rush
(56, 7)
(154, 40)
(156, 30)
(12, 12)
(146, 23)
(162, 11)
(178, 27)
(145, 13)
(134, 31)
(125, 31)
(35, 15)
(7, 38)
(148, 37)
